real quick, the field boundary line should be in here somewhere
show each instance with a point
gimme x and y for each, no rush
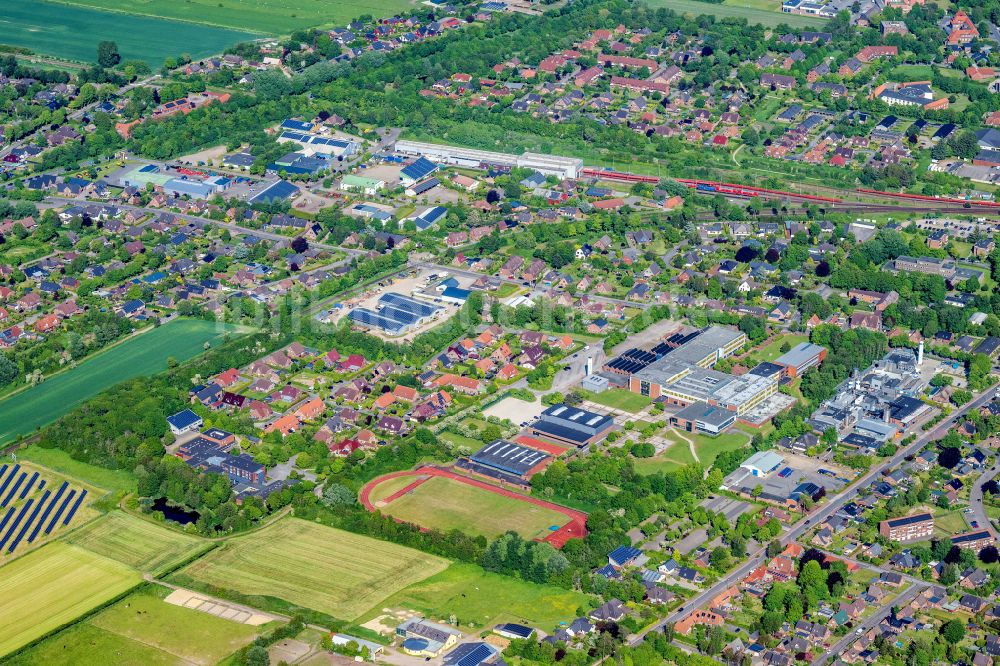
(110, 10)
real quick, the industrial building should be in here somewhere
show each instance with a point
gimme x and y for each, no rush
(909, 528)
(762, 463)
(554, 165)
(175, 185)
(395, 314)
(314, 143)
(571, 425)
(369, 186)
(878, 402)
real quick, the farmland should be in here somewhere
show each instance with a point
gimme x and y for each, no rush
(138, 543)
(73, 32)
(444, 504)
(52, 586)
(264, 16)
(497, 599)
(144, 354)
(142, 629)
(745, 9)
(317, 567)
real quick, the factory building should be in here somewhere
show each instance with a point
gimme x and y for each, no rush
(561, 167)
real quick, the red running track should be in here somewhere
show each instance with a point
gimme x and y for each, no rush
(576, 528)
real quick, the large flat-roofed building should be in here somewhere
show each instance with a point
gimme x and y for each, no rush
(572, 425)
(396, 314)
(506, 461)
(909, 528)
(684, 375)
(702, 417)
(800, 358)
(562, 167)
(314, 143)
(762, 463)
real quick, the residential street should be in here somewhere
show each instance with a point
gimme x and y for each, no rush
(817, 516)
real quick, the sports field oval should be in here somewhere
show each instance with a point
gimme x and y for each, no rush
(435, 498)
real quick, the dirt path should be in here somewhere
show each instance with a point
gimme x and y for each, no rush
(694, 454)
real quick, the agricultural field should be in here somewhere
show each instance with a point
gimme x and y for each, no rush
(144, 354)
(72, 32)
(139, 543)
(746, 9)
(445, 504)
(325, 569)
(53, 586)
(274, 17)
(497, 599)
(142, 629)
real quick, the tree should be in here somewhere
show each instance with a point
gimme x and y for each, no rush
(300, 244)
(107, 54)
(8, 370)
(953, 631)
(337, 495)
(989, 555)
(257, 656)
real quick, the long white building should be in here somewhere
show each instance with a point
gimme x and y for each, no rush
(562, 167)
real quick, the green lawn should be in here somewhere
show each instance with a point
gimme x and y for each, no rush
(73, 32)
(314, 566)
(59, 461)
(53, 586)
(479, 598)
(679, 454)
(746, 9)
(772, 350)
(139, 543)
(622, 399)
(142, 629)
(455, 439)
(446, 504)
(950, 522)
(144, 354)
(268, 16)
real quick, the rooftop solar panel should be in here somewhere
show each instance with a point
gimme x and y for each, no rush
(476, 656)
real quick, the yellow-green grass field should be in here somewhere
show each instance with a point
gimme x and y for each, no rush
(480, 598)
(142, 629)
(446, 504)
(53, 586)
(751, 10)
(267, 16)
(139, 543)
(317, 567)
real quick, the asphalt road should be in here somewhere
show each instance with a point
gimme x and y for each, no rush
(816, 517)
(976, 500)
(882, 613)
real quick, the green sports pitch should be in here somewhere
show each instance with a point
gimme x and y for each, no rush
(144, 354)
